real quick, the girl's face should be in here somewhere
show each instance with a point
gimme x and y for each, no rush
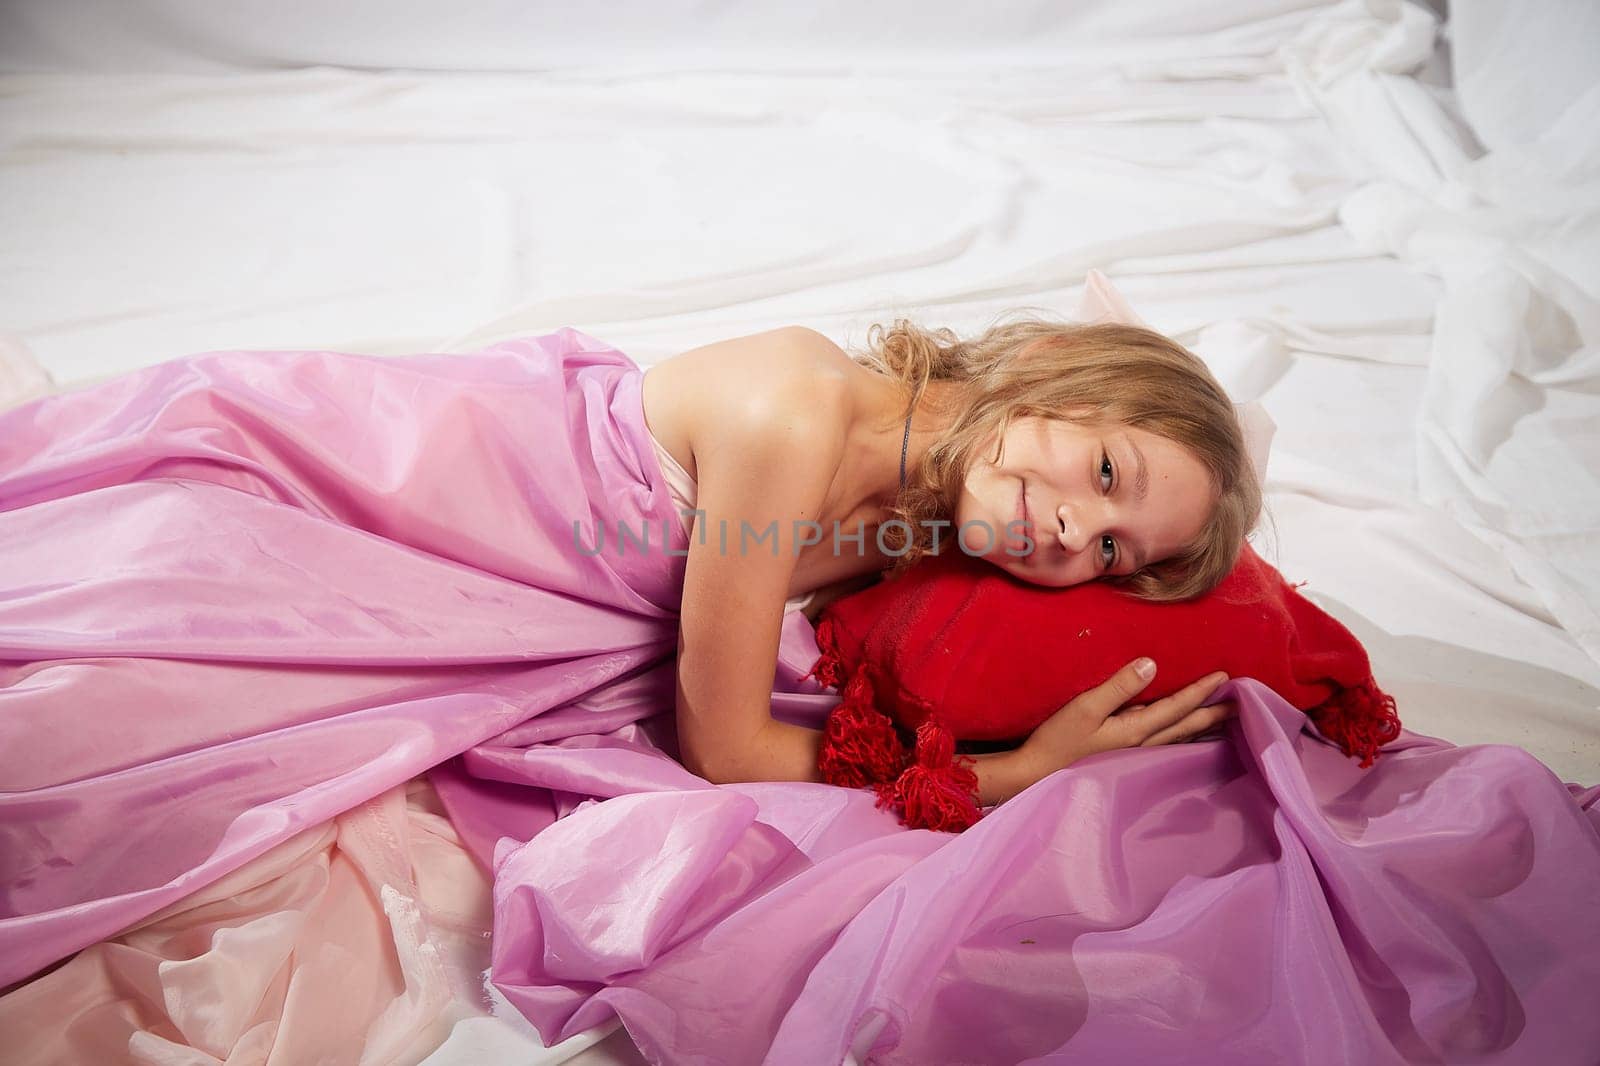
(1096, 501)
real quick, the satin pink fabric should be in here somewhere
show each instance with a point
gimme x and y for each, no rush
(245, 592)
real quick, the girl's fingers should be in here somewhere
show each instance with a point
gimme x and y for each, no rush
(1199, 721)
(1102, 701)
(1137, 727)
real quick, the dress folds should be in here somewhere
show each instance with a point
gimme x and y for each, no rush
(243, 594)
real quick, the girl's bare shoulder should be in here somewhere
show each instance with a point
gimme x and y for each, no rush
(790, 376)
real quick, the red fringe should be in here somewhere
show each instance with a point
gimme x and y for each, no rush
(859, 744)
(939, 791)
(1360, 719)
(829, 669)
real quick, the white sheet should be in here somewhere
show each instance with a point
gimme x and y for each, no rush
(1294, 191)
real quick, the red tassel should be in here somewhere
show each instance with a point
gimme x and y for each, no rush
(859, 744)
(829, 669)
(1360, 719)
(938, 791)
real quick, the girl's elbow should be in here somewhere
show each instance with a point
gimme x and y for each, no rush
(713, 771)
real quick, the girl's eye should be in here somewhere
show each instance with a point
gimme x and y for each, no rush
(1108, 543)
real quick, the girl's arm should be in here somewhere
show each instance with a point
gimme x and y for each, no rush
(1101, 719)
(765, 459)
(789, 753)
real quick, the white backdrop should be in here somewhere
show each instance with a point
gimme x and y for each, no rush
(544, 35)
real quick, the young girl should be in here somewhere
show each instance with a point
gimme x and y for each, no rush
(243, 592)
(1061, 453)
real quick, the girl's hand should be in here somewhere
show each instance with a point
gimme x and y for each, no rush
(1093, 723)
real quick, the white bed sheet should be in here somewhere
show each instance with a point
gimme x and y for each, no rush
(1407, 279)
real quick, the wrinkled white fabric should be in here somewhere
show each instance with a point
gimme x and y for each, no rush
(1508, 442)
(1519, 68)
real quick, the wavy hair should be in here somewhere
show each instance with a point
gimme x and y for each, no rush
(1124, 374)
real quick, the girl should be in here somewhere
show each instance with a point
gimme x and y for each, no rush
(243, 592)
(1062, 453)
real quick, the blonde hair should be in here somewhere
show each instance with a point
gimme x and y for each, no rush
(1125, 374)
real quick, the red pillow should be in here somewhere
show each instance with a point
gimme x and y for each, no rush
(957, 649)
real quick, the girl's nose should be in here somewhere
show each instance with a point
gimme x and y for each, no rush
(1073, 534)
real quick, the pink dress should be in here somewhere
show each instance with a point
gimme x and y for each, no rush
(243, 594)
